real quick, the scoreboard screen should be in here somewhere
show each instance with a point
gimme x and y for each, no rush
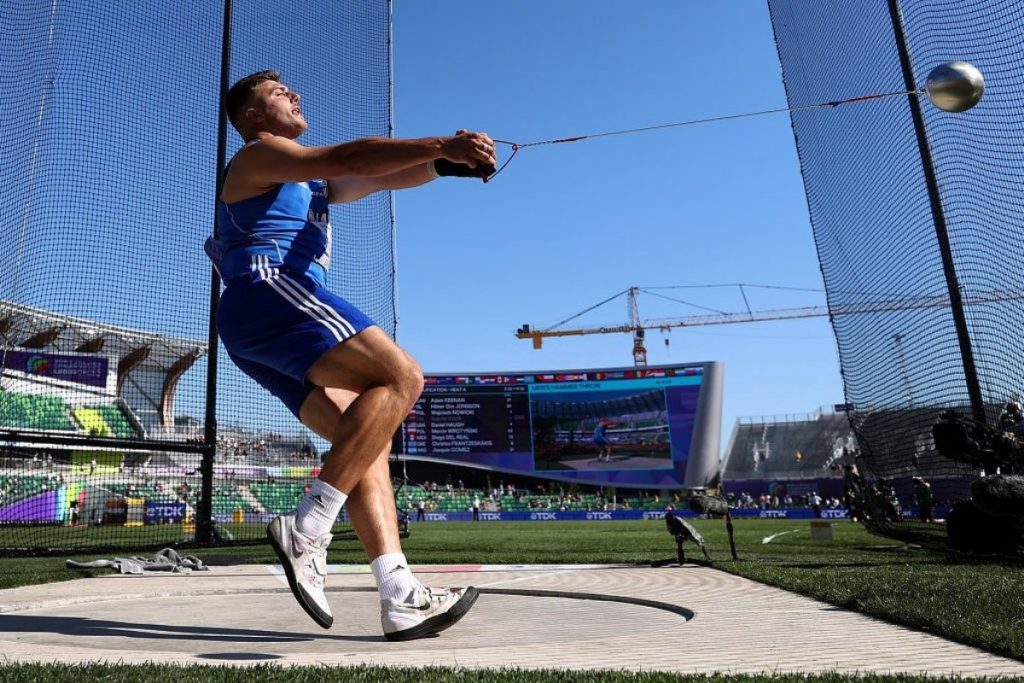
(635, 427)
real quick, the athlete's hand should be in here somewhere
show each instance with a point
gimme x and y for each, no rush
(476, 150)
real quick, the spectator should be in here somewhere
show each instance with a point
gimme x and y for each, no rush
(922, 492)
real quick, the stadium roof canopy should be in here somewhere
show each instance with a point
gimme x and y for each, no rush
(33, 328)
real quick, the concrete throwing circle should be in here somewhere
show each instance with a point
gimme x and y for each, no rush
(682, 619)
(199, 626)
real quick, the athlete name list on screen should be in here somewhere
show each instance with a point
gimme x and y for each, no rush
(470, 419)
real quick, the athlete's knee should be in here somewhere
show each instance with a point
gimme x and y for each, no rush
(409, 380)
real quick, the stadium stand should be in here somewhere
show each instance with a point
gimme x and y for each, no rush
(14, 488)
(145, 370)
(790, 447)
(39, 412)
(228, 499)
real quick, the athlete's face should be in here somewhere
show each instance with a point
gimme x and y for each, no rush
(275, 109)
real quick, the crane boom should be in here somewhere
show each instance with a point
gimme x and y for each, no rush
(637, 327)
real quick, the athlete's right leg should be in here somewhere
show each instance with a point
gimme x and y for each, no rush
(386, 382)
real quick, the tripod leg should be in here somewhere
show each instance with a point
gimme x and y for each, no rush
(707, 556)
(732, 541)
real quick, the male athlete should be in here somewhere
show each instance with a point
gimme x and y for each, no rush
(340, 374)
(601, 440)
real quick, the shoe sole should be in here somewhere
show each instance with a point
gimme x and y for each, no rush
(323, 620)
(438, 623)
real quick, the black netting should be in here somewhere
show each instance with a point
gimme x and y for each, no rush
(873, 221)
(107, 181)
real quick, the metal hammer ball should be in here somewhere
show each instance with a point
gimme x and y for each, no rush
(955, 86)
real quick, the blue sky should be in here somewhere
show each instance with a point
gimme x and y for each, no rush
(566, 226)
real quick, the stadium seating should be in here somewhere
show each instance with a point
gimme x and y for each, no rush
(150, 492)
(278, 498)
(52, 413)
(105, 420)
(91, 421)
(29, 411)
(459, 501)
(16, 488)
(116, 420)
(227, 499)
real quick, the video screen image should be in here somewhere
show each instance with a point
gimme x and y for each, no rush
(616, 426)
(601, 430)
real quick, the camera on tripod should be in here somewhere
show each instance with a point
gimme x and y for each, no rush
(973, 443)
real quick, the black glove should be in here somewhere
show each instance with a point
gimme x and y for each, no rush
(444, 167)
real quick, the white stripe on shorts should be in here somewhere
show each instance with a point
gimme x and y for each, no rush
(309, 305)
(348, 329)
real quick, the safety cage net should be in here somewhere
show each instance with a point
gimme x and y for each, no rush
(108, 173)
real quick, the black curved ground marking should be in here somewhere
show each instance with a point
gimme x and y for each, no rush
(239, 656)
(685, 613)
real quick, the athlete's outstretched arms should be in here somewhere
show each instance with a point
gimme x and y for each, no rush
(351, 188)
(276, 159)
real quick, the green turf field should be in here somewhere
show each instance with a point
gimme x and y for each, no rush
(977, 605)
(372, 674)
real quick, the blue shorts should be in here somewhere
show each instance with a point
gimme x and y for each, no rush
(275, 328)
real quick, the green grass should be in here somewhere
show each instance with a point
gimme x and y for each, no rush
(112, 673)
(977, 605)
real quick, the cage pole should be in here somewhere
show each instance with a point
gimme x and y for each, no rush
(204, 507)
(939, 218)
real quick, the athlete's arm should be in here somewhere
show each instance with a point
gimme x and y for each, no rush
(351, 188)
(278, 160)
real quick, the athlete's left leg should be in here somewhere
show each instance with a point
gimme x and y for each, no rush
(408, 609)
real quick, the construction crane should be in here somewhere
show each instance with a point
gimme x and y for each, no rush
(638, 327)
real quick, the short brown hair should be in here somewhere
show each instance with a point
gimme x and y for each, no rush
(240, 92)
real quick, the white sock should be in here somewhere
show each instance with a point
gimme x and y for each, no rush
(393, 576)
(319, 509)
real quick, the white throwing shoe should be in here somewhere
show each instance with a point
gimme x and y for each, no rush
(425, 612)
(304, 560)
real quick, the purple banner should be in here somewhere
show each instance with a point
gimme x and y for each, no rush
(81, 369)
(39, 508)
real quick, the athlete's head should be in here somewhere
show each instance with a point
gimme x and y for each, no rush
(260, 103)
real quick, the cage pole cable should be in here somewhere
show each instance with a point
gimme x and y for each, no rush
(26, 214)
